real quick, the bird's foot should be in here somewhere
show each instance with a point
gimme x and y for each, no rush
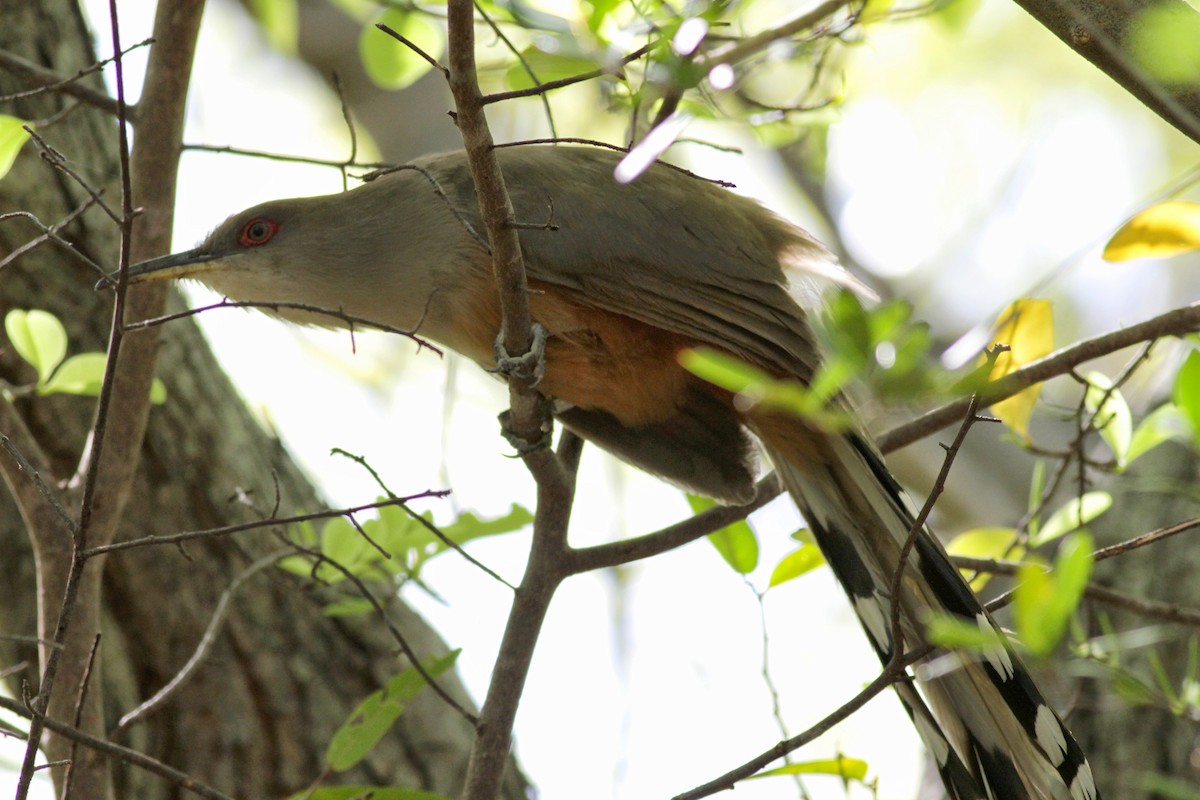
(529, 367)
(519, 442)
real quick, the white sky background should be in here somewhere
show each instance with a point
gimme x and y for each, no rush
(648, 681)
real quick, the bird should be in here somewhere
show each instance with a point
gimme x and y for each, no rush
(623, 278)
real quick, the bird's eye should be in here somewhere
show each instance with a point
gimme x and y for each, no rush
(257, 231)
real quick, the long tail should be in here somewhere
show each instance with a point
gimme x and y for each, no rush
(986, 724)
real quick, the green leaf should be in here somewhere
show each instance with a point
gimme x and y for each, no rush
(365, 793)
(736, 543)
(280, 19)
(1162, 40)
(348, 607)
(374, 716)
(468, 526)
(956, 633)
(82, 374)
(795, 564)
(1166, 787)
(297, 565)
(754, 386)
(548, 66)
(1072, 515)
(1045, 600)
(12, 137)
(1186, 393)
(158, 392)
(38, 337)
(1112, 416)
(1165, 422)
(854, 769)
(391, 64)
(342, 543)
(993, 543)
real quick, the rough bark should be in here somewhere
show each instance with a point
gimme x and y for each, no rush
(256, 717)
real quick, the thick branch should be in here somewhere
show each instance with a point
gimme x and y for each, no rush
(1098, 30)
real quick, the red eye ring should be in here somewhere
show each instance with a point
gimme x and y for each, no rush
(257, 231)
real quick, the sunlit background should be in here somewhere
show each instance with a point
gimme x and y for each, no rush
(971, 163)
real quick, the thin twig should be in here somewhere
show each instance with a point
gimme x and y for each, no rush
(891, 673)
(127, 755)
(49, 81)
(226, 530)
(349, 319)
(549, 86)
(1176, 322)
(203, 647)
(393, 628)
(918, 524)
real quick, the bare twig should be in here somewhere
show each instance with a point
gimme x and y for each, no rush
(350, 320)
(226, 530)
(48, 81)
(549, 86)
(893, 672)
(115, 751)
(203, 648)
(918, 524)
(1176, 322)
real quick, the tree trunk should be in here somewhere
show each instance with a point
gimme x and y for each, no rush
(255, 718)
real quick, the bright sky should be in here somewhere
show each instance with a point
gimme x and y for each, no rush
(649, 681)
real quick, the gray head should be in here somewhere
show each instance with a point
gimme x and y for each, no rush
(379, 252)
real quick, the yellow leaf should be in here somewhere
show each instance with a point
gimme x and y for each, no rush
(1027, 327)
(993, 543)
(1162, 230)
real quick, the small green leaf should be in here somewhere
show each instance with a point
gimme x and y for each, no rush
(1163, 423)
(956, 633)
(1071, 515)
(795, 564)
(280, 20)
(392, 64)
(547, 66)
(1186, 393)
(12, 137)
(297, 565)
(1162, 40)
(38, 337)
(374, 716)
(1045, 600)
(854, 769)
(82, 374)
(736, 543)
(1166, 787)
(1112, 416)
(158, 392)
(468, 526)
(348, 607)
(342, 543)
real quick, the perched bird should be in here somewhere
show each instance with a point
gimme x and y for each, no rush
(626, 278)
